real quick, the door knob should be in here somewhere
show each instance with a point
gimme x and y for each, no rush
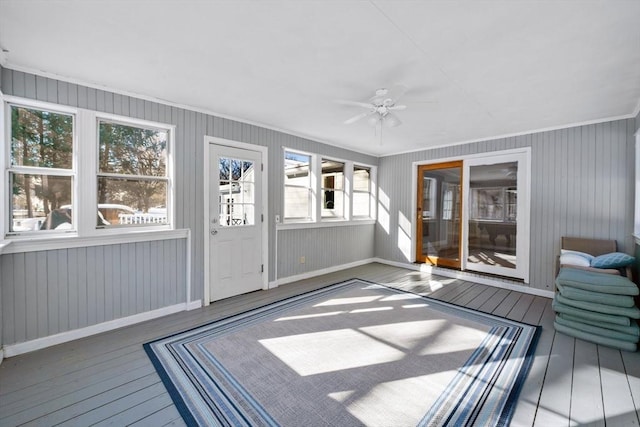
(214, 231)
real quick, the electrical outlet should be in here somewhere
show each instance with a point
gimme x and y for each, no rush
(302, 260)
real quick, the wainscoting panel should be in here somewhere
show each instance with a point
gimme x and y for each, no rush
(323, 248)
(49, 292)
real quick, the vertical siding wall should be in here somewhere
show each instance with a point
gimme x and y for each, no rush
(582, 184)
(48, 292)
(323, 248)
(191, 127)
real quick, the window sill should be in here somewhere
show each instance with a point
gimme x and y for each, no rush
(73, 241)
(4, 244)
(324, 224)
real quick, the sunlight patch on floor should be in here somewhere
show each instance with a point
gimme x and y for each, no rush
(330, 351)
(309, 316)
(428, 337)
(346, 301)
(410, 397)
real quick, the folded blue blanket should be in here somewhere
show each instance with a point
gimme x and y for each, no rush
(609, 342)
(632, 312)
(632, 329)
(597, 297)
(596, 282)
(598, 317)
(596, 330)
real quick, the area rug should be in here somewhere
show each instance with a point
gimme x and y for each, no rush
(354, 353)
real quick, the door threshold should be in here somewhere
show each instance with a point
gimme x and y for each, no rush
(474, 276)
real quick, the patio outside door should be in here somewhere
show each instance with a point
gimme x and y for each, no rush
(235, 225)
(439, 214)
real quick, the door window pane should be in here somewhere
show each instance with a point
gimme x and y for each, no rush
(440, 214)
(237, 192)
(493, 214)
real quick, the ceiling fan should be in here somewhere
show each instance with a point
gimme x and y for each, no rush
(380, 107)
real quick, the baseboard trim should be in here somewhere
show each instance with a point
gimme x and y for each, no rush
(1, 355)
(193, 305)
(51, 340)
(314, 273)
(462, 275)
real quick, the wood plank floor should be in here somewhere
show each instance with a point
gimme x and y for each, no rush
(107, 379)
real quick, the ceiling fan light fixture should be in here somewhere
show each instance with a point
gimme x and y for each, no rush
(391, 120)
(374, 119)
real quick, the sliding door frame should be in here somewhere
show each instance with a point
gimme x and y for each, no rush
(446, 262)
(524, 221)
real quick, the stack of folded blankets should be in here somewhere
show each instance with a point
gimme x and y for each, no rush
(597, 307)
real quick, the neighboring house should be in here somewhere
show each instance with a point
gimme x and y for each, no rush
(582, 184)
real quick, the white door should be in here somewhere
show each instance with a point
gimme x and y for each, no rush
(496, 216)
(235, 216)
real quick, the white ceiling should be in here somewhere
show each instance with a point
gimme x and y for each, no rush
(474, 69)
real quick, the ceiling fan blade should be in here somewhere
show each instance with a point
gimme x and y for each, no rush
(356, 118)
(391, 120)
(397, 107)
(354, 103)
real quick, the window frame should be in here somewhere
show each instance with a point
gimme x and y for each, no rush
(311, 187)
(85, 191)
(342, 191)
(371, 197)
(317, 219)
(167, 178)
(7, 104)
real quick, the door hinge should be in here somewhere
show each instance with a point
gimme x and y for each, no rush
(261, 217)
(261, 268)
(261, 167)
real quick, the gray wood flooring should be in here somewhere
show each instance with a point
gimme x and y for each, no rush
(107, 379)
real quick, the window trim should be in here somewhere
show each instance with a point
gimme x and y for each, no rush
(167, 178)
(7, 103)
(316, 191)
(311, 187)
(85, 166)
(353, 191)
(322, 188)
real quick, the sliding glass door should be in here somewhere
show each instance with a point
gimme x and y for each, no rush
(473, 214)
(496, 217)
(439, 216)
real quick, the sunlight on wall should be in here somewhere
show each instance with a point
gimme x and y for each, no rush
(404, 236)
(383, 210)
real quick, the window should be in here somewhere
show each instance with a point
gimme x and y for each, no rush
(41, 170)
(332, 189)
(320, 190)
(237, 192)
(132, 175)
(75, 171)
(297, 186)
(362, 192)
(494, 204)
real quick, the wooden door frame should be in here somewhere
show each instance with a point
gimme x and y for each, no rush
(264, 151)
(418, 217)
